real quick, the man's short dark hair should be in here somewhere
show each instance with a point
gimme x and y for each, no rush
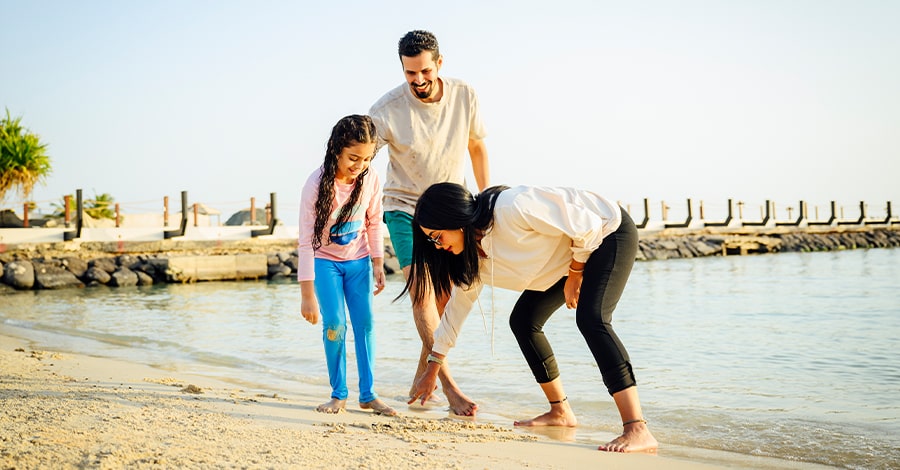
(416, 42)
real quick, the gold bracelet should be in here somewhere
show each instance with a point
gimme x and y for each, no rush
(435, 359)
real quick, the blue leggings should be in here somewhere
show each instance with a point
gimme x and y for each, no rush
(343, 286)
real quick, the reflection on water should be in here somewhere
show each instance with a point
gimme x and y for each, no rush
(776, 355)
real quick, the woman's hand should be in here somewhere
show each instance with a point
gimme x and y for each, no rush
(572, 289)
(426, 383)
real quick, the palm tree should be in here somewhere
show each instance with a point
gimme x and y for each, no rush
(100, 206)
(23, 158)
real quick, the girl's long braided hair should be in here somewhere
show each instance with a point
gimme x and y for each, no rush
(350, 130)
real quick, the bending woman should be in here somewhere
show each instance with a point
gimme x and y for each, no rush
(557, 246)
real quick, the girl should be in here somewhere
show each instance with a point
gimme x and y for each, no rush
(555, 245)
(341, 253)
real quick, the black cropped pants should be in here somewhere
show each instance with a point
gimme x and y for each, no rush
(605, 275)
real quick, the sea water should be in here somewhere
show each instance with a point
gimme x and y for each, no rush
(786, 360)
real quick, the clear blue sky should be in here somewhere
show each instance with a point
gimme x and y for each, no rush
(709, 100)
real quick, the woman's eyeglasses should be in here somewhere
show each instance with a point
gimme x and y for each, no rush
(434, 239)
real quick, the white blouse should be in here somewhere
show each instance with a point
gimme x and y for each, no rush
(537, 233)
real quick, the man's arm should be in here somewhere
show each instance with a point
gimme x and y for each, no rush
(478, 154)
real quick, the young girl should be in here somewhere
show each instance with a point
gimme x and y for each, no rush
(555, 245)
(341, 253)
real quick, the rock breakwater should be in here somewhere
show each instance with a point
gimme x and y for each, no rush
(64, 265)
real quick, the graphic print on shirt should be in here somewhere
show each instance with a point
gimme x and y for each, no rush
(348, 231)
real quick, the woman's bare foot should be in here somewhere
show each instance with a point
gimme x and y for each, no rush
(460, 404)
(635, 438)
(378, 407)
(557, 416)
(333, 406)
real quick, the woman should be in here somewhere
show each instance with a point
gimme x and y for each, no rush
(555, 245)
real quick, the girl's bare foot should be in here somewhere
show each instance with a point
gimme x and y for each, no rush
(460, 404)
(635, 438)
(563, 416)
(378, 407)
(333, 406)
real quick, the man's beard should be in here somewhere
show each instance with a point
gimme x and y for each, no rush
(423, 94)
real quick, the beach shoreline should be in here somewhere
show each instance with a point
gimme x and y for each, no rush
(71, 410)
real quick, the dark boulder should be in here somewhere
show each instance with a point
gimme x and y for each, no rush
(95, 275)
(293, 262)
(19, 274)
(123, 277)
(278, 271)
(76, 266)
(51, 276)
(128, 261)
(107, 264)
(144, 279)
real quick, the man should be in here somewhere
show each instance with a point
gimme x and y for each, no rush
(428, 124)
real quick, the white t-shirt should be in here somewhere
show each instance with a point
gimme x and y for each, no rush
(427, 142)
(537, 233)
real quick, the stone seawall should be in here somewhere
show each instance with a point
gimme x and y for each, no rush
(67, 265)
(691, 245)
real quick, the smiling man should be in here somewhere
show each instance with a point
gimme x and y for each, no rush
(429, 123)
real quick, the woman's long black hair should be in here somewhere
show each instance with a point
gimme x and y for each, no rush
(448, 206)
(350, 130)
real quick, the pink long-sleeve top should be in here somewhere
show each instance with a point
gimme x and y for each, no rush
(361, 236)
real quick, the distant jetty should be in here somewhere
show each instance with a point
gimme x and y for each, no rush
(81, 252)
(72, 264)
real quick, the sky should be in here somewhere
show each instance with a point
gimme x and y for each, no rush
(230, 100)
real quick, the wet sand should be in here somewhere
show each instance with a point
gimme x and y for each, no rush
(62, 410)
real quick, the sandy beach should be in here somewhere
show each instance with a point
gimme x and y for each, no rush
(62, 410)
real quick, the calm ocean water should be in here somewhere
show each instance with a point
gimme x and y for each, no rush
(777, 361)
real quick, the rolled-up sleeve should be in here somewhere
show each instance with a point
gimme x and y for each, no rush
(455, 313)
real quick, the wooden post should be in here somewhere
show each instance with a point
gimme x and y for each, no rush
(196, 211)
(252, 211)
(701, 210)
(118, 220)
(165, 211)
(25, 215)
(67, 199)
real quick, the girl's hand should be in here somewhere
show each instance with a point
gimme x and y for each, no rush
(310, 310)
(309, 304)
(572, 289)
